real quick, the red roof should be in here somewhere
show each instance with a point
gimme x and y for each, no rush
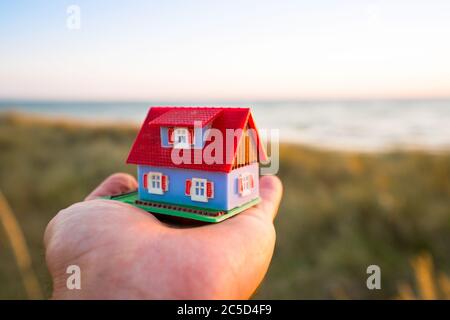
(179, 117)
(147, 149)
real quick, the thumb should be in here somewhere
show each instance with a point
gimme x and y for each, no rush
(115, 184)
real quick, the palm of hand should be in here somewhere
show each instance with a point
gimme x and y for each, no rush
(124, 252)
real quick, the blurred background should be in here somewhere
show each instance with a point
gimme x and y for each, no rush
(360, 91)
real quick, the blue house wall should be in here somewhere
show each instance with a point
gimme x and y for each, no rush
(177, 186)
(226, 188)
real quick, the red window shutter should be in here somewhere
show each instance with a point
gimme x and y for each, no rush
(170, 134)
(145, 181)
(240, 186)
(252, 183)
(164, 183)
(191, 135)
(210, 189)
(188, 187)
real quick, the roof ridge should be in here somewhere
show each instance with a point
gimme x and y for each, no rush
(200, 107)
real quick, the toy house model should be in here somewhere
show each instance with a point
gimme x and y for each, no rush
(197, 187)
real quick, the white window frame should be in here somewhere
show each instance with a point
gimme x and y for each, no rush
(157, 178)
(194, 188)
(181, 132)
(246, 184)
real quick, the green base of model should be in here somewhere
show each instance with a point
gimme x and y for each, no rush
(189, 212)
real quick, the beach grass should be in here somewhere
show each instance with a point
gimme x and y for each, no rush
(341, 211)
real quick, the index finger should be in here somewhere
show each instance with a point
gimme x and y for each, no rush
(270, 191)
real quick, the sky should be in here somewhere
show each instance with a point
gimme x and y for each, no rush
(141, 50)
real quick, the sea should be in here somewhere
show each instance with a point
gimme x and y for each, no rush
(358, 125)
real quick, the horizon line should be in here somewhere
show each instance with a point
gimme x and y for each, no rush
(222, 100)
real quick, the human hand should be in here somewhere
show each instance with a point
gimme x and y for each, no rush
(127, 253)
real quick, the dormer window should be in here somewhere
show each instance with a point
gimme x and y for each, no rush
(181, 138)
